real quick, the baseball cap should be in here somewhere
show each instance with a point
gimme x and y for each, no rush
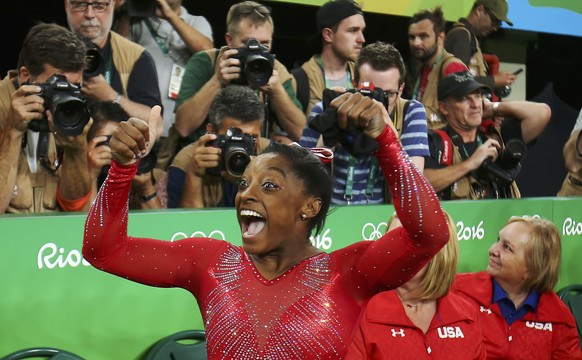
(334, 11)
(458, 84)
(498, 8)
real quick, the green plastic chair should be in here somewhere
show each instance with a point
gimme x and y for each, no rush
(42, 353)
(571, 295)
(183, 345)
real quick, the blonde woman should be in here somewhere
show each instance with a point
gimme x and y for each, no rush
(421, 318)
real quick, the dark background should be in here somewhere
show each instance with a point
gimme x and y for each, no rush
(553, 64)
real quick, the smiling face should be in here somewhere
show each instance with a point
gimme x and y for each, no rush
(507, 257)
(269, 204)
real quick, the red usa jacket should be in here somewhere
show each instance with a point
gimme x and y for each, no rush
(549, 333)
(385, 332)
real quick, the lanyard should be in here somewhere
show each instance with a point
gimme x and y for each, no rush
(108, 70)
(161, 43)
(348, 195)
(349, 83)
(416, 91)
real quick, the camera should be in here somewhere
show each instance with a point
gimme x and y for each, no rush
(67, 105)
(141, 8)
(365, 88)
(508, 164)
(256, 64)
(94, 63)
(146, 164)
(237, 149)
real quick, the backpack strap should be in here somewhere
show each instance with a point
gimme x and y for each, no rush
(302, 86)
(443, 146)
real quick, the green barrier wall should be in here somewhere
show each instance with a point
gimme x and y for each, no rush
(51, 297)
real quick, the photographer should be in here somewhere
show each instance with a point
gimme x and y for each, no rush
(465, 157)
(128, 72)
(203, 174)
(209, 71)
(106, 118)
(572, 151)
(171, 35)
(380, 71)
(44, 170)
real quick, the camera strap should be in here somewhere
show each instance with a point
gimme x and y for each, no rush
(42, 153)
(371, 179)
(159, 40)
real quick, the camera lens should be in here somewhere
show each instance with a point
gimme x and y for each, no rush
(236, 160)
(93, 63)
(70, 114)
(258, 70)
(513, 152)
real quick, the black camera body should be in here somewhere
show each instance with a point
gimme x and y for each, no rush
(67, 105)
(365, 88)
(237, 148)
(256, 63)
(94, 63)
(507, 166)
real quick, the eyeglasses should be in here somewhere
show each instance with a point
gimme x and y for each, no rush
(494, 20)
(82, 6)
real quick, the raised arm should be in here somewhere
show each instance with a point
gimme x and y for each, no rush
(398, 255)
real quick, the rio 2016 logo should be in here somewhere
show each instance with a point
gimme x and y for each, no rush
(571, 227)
(467, 232)
(374, 232)
(51, 256)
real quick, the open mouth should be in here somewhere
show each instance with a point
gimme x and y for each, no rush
(252, 223)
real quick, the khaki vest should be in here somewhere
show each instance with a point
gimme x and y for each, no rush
(124, 54)
(211, 185)
(429, 97)
(468, 187)
(477, 64)
(317, 81)
(34, 193)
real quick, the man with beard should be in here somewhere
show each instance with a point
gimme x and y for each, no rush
(464, 40)
(431, 62)
(340, 25)
(128, 75)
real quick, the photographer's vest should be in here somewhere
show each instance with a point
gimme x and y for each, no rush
(174, 142)
(212, 193)
(124, 54)
(429, 97)
(469, 187)
(313, 82)
(477, 64)
(34, 193)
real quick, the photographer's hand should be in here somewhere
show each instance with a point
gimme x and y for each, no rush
(228, 68)
(489, 150)
(26, 106)
(204, 156)
(98, 156)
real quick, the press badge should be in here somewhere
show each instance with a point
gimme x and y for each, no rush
(175, 81)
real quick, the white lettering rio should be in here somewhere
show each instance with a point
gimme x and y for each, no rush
(48, 257)
(539, 326)
(571, 227)
(450, 332)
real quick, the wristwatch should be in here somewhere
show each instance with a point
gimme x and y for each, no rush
(495, 108)
(117, 99)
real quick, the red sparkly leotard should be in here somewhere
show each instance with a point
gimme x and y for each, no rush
(310, 311)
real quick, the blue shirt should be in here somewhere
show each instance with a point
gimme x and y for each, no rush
(368, 187)
(508, 310)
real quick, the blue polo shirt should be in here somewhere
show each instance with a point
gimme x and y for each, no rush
(508, 310)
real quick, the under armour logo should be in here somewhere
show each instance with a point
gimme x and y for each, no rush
(394, 332)
(483, 309)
